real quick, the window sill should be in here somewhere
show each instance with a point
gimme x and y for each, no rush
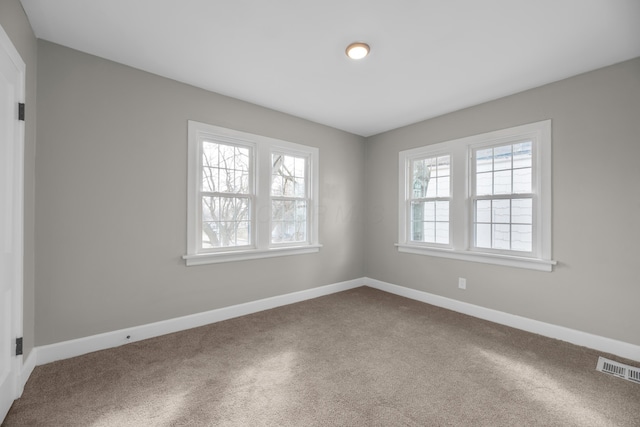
(218, 257)
(506, 260)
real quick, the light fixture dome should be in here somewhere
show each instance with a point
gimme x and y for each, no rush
(357, 50)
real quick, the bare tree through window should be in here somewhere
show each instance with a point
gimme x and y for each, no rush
(226, 195)
(289, 204)
(430, 200)
(249, 196)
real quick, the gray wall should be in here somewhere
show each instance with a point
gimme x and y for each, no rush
(15, 23)
(111, 183)
(111, 180)
(596, 206)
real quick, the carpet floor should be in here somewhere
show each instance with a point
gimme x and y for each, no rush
(361, 357)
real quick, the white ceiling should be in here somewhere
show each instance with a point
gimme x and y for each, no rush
(428, 57)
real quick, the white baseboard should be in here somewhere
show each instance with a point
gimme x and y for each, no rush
(28, 365)
(608, 345)
(66, 349)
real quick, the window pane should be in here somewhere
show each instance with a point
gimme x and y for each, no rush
(522, 180)
(431, 189)
(501, 236)
(442, 211)
(301, 166)
(483, 211)
(502, 158)
(429, 232)
(243, 234)
(421, 174)
(301, 211)
(277, 175)
(277, 185)
(241, 158)
(288, 221)
(281, 210)
(522, 155)
(209, 166)
(521, 238)
(484, 160)
(444, 166)
(443, 186)
(422, 231)
(225, 165)
(442, 233)
(484, 184)
(417, 231)
(418, 213)
(429, 211)
(288, 185)
(502, 182)
(522, 211)
(483, 235)
(300, 188)
(209, 153)
(209, 179)
(290, 164)
(420, 179)
(225, 222)
(501, 211)
(241, 181)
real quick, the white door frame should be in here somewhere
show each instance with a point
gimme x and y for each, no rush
(15, 176)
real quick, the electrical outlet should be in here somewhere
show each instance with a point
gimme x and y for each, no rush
(462, 283)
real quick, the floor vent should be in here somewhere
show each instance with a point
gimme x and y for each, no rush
(620, 370)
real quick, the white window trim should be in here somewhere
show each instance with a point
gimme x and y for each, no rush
(261, 246)
(460, 209)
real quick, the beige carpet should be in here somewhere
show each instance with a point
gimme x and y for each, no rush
(357, 358)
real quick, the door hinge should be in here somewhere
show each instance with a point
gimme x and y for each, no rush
(21, 111)
(18, 346)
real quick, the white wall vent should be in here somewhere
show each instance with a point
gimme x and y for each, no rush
(620, 370)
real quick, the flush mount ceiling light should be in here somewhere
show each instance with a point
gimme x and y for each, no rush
(357, 50)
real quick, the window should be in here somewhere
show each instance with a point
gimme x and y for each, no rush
(249, 196)
(484, 198)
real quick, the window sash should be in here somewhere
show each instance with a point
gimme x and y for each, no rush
(435, 225)
(519, 247)
(289, 227)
